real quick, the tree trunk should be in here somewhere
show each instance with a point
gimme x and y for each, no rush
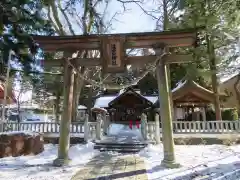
(213, 68)
(57, 107)
(89, 103)
(78, 84)
(18, 107)
(75, 100)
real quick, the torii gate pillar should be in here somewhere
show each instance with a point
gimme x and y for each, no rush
(64, 139)
(165, 111)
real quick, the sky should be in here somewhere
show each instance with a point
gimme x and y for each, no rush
(132, 20)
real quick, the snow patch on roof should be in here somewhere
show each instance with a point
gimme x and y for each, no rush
(102, 102)
(152, 99)
(200, 87)
(180, 84)
(82, 107)
(99, 109)
(121, 91)
(226, 78)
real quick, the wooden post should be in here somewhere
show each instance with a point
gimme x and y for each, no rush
(157, 131)
(175, 113)
(204, 114)
(170, 92)
(166, 115)
(64, 139)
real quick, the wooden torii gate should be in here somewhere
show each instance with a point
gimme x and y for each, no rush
(113, 59)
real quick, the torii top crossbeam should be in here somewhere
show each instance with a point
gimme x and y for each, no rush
(113, 47)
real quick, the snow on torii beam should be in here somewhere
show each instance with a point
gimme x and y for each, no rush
(113, 47)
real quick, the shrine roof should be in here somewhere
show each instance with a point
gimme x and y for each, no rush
(192, 92)
(190, 84)
(183, 88)
(103, 101)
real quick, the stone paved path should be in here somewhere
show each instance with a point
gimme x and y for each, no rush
(108, 167)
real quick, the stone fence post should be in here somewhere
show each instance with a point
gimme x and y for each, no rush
(98, 128)
(144, 126)
(157, 129)
(239, 126)
(106, 122)
(86, 128)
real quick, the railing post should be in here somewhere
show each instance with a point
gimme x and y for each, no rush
(86, 129)
(157, 130)
(99, 121)
(238, 126)
(106, 124)
(2, 127)
(144, 126)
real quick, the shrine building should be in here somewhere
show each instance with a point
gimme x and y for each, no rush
(190, 101)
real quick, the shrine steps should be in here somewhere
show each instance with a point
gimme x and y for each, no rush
(120, 147)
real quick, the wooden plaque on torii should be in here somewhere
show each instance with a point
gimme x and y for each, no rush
(112, 54)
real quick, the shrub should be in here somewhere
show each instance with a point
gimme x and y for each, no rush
(235, 114)
(229, 114)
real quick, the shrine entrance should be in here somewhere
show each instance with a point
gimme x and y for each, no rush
(113, 58)
(128, 107)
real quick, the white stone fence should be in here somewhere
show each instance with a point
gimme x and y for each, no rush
(95, 130)
(191, 127)
(42, 127)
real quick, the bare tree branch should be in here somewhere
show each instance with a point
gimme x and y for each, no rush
(146, 12)
(50, 19)
(56, 17)
(66, 18)
(124, 2)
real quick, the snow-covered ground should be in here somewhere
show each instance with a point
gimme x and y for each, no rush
(205, 162)
(215, 162)
(208, 162)
(40, 167)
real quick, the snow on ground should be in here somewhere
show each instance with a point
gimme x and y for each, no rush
(123, 134)
(40, 167)
(208, 162)
(116, 129)
(19, 132)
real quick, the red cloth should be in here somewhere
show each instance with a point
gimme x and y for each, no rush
(137, 124)
(130, 124)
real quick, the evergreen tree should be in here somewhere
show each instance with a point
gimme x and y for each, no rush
(19, 19)
(219, 18)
